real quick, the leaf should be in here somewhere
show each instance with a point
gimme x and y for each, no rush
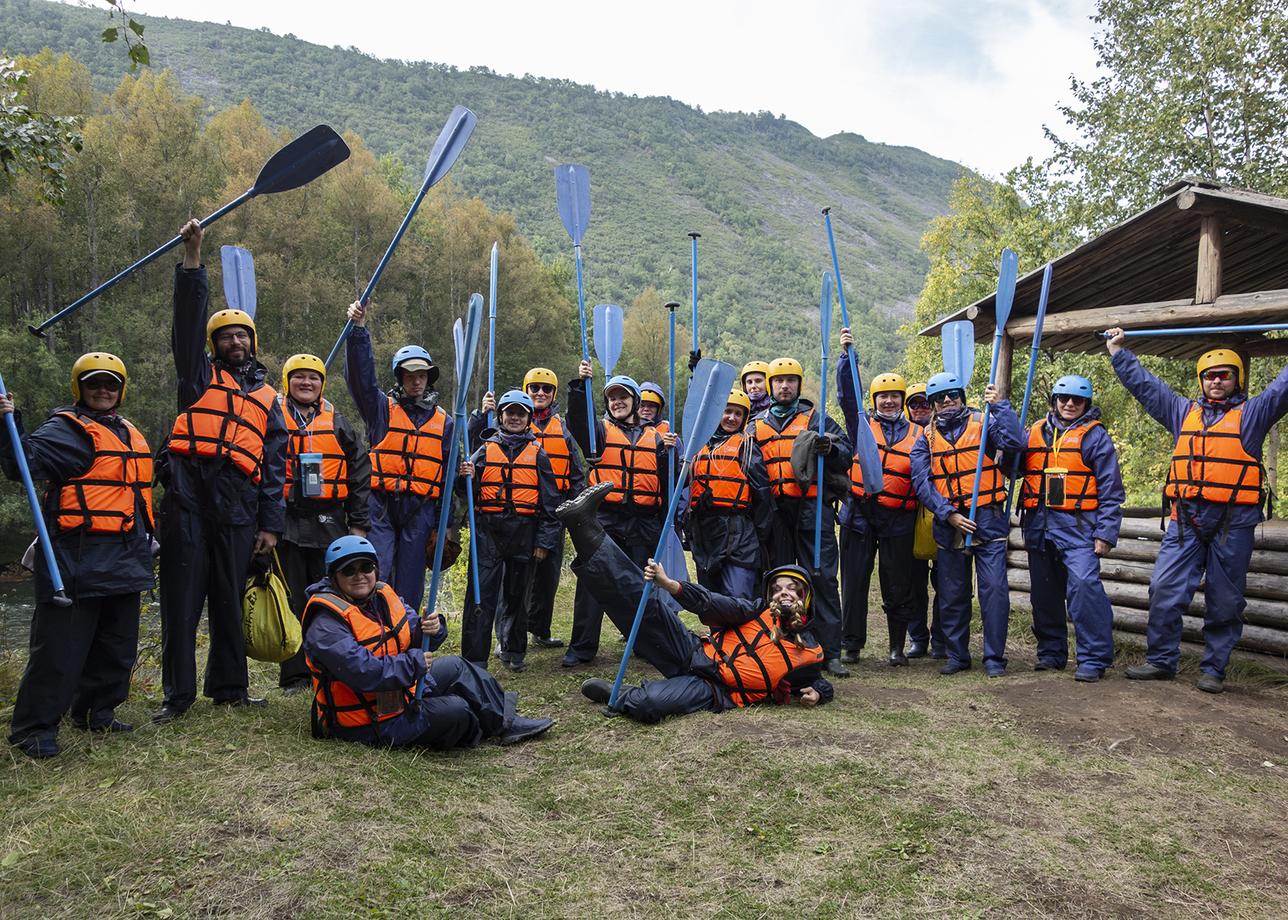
(136, 27)
(139, 55)
(10, 859)
(109, 35)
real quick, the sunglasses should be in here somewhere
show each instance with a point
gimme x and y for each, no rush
(944, 397)
(540, 388)
(102, 382)
(1218, 375)
(361, 567)
(1067, 397)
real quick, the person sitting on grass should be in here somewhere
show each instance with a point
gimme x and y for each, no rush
(363, 648)
(757, 651)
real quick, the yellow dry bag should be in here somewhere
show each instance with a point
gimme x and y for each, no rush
(272, 629)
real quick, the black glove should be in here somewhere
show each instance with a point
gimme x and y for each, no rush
(694, 358)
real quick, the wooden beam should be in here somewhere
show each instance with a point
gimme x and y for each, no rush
(1228, 308)
(1208, 286)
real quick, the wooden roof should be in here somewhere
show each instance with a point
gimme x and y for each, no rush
(1146, 273)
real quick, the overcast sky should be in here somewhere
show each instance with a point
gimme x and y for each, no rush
(969, 80)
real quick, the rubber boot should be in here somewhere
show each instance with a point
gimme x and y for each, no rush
(580, 516)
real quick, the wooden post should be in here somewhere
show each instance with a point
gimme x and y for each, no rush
(1208, 286)
(1004, 350)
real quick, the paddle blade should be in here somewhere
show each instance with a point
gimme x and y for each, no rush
(239, 278)
(301, 161)
(572, 193)
(957, 339)
(1006, 277)
(825, 313)
(608, 335)
(467, 348)
(451, 141)
(708, 395)
(491, 284)
(458, 342)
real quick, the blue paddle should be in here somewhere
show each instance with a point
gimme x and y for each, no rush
(825, 328)
(458, 340)
(491, 341)
(238, 266)
(1006, 277)
(451, 141)
(1028, 383)
(1202, 330)
(298, 163)
(671, 306)
(957, 342)
(705, 404)
(608, 335)
(572, 195)
(693, 272)
(60, 598)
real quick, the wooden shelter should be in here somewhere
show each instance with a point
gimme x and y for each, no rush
(1205, 255)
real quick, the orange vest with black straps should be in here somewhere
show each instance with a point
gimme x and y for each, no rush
(1211, 464)
(316, 437)
(225, 422)
(509, 485)
(105, 497)
(776, 448)
(896, 467)
(410, 459)
(631, 468)
(952, 467)
(1080, 490)
(718, 471)
(335, 703)
(555, 445)
(750, 663)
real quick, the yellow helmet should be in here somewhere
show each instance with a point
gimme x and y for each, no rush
(914, 389)
(753, 367)
(225, 318)
(302, 363)
(1221, 357)
(97, 361)
(785, 367)
(738, 398)
(887, 383)
(540, 375)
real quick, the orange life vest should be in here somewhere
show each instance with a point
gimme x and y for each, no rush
(555, 445)
(316, 437)
(1211, 464)
(509, 485)
(225, 422)
(776, 448)
(410, 459)
(896, 467)
(104, 498)
(750, 663)
(718, 471)
(335, 703)
(1080, 491)
(952, 467)
(631, 468)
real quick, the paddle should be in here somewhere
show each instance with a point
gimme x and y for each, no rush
(708, 394)
(451, 141)
(458, 340)
(825, 330)
(696, 352)
(608, 335)
(1202, 330)
(865, 445)
(238, 266)
(671, 306)
(957, 342)
(1028, 383)
(298, 163)
(1006, 278)
(572, 195)
(467, 347)
(491, 339)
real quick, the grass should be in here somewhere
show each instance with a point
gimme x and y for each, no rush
(912, 794)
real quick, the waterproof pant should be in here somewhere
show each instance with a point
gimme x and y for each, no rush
(302, 566)
(690, 683)
(894, 570)
(400, 530)
(79, 658)
(505, 576)
(793, 544)
(545, 584)
(203, 563)
(730, 580)
(922, 577)
(953, 590)
(726, 552)
(1183, 560)
(858, 553)
(1064, 572)
(637, 538)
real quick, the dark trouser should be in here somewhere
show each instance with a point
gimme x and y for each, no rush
(400, 530)
(79, 658)
(793, 543)
(726, 552)
(503, 587)
(633, 541)
(203, 562)
(895, 570)
(954, 590)
(1069, 574)
(858, 553)
(545, 584)
(663, 641)
(731, 580)
(1184, 559)
(923, 575)
(302, 566)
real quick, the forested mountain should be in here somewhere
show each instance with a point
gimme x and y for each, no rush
(751, 184)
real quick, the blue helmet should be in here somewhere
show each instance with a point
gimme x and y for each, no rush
(343, 549)
(944, 383)
(1072, 385)
(414, 358)
(514, 398)
(628, 383)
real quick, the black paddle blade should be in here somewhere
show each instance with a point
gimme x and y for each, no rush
(301, 161)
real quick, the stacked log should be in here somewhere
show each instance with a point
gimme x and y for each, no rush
(1126, 572)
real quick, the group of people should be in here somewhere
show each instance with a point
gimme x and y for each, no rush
(249, 471)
